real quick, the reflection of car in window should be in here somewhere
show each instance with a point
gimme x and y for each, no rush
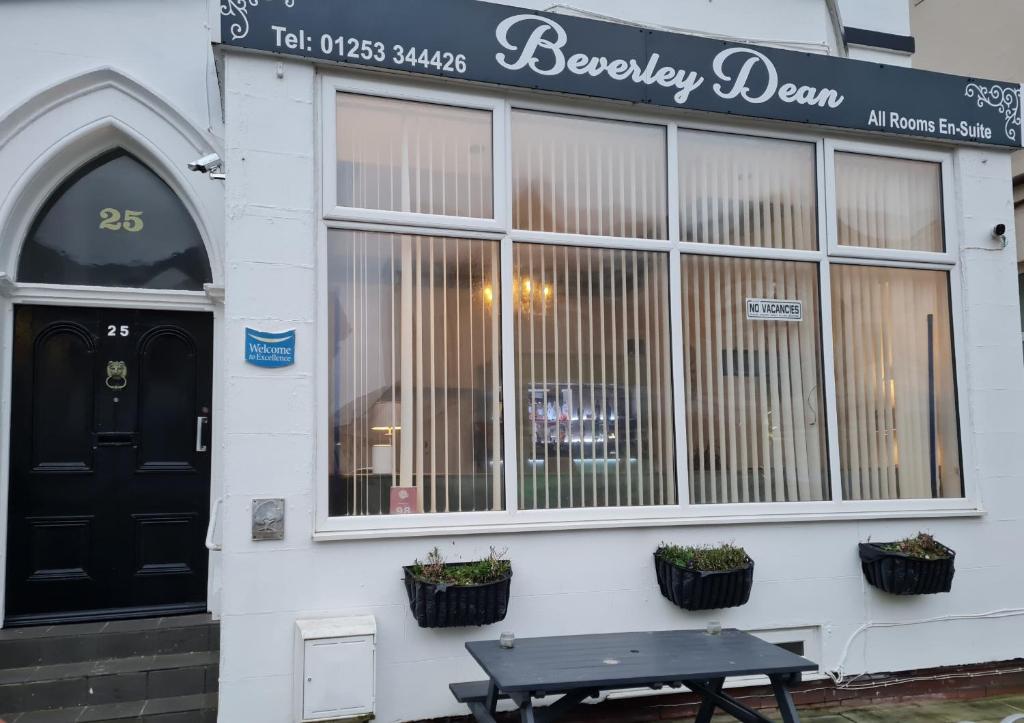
(581, 421)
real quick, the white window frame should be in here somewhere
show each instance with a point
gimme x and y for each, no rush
(334, 84)
(899, 152)
(947, 262)
(500, 229)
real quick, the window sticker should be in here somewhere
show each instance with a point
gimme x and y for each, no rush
(775, 309)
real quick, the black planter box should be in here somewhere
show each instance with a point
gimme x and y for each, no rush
(700, 590)
(901, 574)
(436, 605)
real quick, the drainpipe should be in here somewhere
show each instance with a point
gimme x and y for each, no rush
(837, 27)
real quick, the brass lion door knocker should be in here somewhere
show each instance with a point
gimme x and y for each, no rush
(117, 375)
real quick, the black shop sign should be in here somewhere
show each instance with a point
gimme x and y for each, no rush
(505, 45)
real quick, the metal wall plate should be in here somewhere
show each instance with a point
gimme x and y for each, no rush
(268, 519)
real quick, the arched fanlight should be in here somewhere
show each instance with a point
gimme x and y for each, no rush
(115, 223)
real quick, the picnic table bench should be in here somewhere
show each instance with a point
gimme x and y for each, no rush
(577, 667)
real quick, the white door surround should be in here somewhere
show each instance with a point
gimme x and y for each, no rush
(47, 138)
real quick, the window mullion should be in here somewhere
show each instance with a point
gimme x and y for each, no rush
(673, 182)
(827, 232)
(828, 360)
(675, 305)
(678, 376)
(509, 399)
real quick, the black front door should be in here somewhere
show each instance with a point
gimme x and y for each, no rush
(110, 464)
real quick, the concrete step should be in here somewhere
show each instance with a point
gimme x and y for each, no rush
(98, 682)
(157, 669)
(178, 709)
(55, 644)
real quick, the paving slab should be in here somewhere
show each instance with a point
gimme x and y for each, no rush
(985, 710)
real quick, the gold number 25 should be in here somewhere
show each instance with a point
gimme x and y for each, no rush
(111, 220)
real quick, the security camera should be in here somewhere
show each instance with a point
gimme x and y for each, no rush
(206, 164)
(999, 233)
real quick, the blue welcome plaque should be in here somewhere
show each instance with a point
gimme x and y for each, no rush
(270, 349)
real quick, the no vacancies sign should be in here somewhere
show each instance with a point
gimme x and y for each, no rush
(775, 310)
(500, 44)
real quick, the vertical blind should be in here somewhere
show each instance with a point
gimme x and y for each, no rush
(888, 203)
(585, 176)
(415, 331)
(593, 377)
(895, 390)
(755, 415)
(747, 191)
(398, 155)
(414, 372)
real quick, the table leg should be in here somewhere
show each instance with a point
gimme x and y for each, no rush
(484, 711)
(492, 697)
(525, 703)
(480, 713)
(713, 696)
(785, 700)
(529, 714)
(707, 706)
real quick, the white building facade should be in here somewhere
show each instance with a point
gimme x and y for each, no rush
(525, 317)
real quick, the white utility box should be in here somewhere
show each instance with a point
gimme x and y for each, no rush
(335, 673)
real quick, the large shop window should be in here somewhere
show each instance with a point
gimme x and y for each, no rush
(755, 403)
(895, 391)
(414, 374)
(892, 331)
(593, 376)
(586, 176)
(602, 346)
(747, 191)
(399, 155)
(889, 203)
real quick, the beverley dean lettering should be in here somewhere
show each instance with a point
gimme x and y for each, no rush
(544, 53)
(788, 93)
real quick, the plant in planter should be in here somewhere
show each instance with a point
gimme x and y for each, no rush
(704, 577)
(917, 565)
(449, 594)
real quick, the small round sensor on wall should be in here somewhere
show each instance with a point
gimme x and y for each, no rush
(999, 233)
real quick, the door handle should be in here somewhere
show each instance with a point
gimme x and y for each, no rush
(200, 423)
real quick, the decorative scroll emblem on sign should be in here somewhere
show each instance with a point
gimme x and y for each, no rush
(775, 310)
(270, 349)
(117, 375)
(1004, 99)
(240, 9)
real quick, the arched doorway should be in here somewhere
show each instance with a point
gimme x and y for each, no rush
(109, 473)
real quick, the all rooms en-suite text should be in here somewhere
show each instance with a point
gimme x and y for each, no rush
(891, 120)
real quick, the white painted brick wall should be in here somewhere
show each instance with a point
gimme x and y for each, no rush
(581, 581)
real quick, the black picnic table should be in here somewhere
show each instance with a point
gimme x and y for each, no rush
(577, 667)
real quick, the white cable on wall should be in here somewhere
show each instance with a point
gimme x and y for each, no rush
(838, 674)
